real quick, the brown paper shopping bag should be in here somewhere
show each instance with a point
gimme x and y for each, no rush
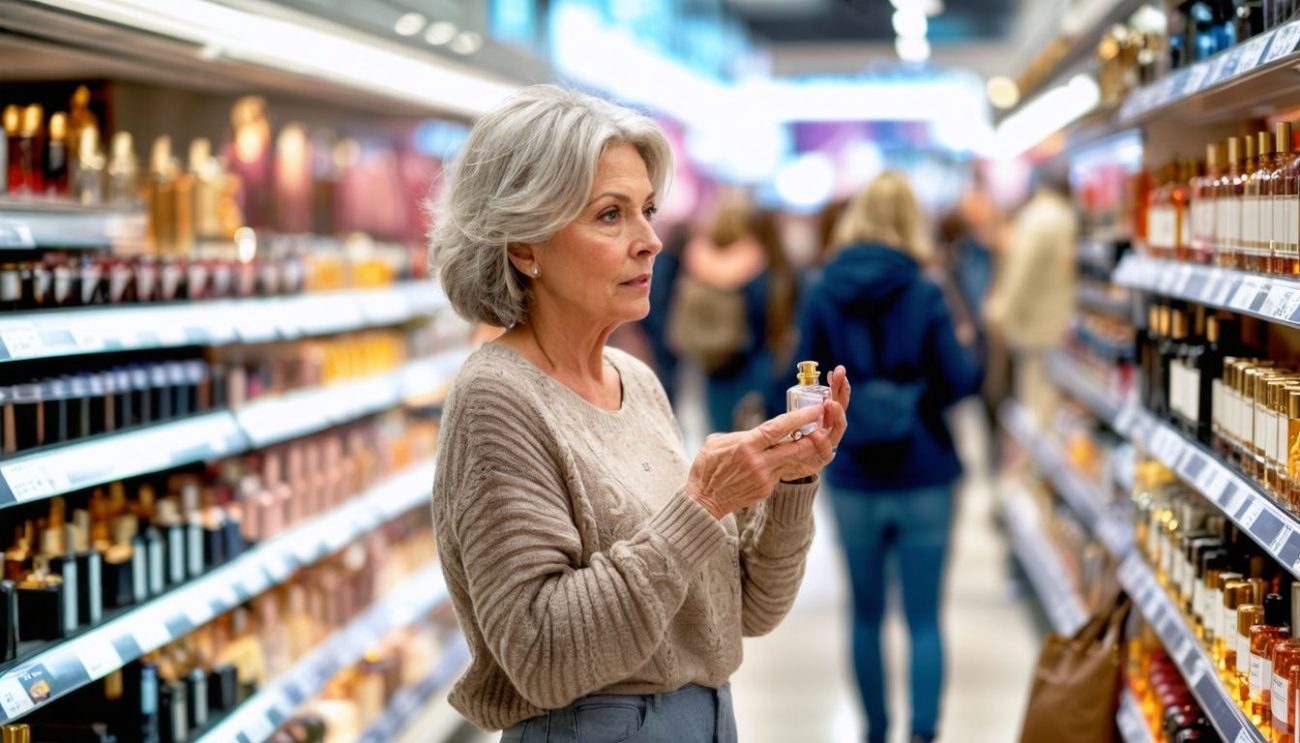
(1075, 694)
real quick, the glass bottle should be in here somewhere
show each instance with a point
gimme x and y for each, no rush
(1248, 616)
(1256, 221)
(1202, 208)
(1158, 209)
(1262, 638)
(1228, 191)
(123, 178)
(12, 120)
(56, 157)
(88, 168)
(1293, 451)
(1236, 594)
(1286, 658)
(807, 393)
(31, 153)
(1286, 203)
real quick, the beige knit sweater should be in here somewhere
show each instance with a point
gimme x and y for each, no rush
(576, 562)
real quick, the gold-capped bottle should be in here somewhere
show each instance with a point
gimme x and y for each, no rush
(1231, 188)
(807, 393)
(1256, 217)
(1286, 204)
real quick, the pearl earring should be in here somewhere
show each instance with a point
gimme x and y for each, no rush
(537, 272)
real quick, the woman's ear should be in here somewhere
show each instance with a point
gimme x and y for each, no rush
(523, 256)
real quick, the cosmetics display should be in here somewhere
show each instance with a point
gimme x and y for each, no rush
(177, 692)
(1169, 709)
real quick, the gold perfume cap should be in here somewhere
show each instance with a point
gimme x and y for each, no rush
(1249, 615)
(12, 116)
(1212, 156)
(1236, 593)
(1265, 143)
(16, 733)
(1212, 329)
(1249, 143)
(1234, 151)
(808, 374)
(59, 126)
(1282, 137)
(1293, 404)
(33, 117)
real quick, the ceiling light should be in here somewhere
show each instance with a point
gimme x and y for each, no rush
(930, 8)
(301, 48)
(910, 23)
(1002, 92)
(440, 33)
(409, 24)
(467, 42)
(1045, 115)
(912, 50)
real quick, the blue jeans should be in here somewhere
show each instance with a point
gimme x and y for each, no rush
(692, 714)
(896, 536)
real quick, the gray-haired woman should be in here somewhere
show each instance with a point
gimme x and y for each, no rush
(603, 583)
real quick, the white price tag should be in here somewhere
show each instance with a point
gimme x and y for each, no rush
(259, 727)
(1212, 481)
(31, 480)
(1243, 737)
(1245, 295)
(13, 697)
(1277, 299)
(1284, 41)
(1224, 292)
(1196, 77)
(22, 343)
(99, 658)
(1184, 647)
(198, 612)
(1198, 673)
(227, 596)
(253, 581)
(1251, 515)
(149, 633)
(1252, 52)
(1289, 308)
(1236, 501)
(307, 549)
(277, 566)
(1281, 539)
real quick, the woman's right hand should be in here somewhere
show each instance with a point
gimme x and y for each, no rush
(735, 470)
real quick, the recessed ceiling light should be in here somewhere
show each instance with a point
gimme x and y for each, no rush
(440, 33)
(910, 23)
(930, 8)
(912, 50)
(409, 24)
(1002, 92)
(467, 42)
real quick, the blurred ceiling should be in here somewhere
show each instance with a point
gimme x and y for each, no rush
(812, 21)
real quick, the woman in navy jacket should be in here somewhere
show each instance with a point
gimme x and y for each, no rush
(877, 314)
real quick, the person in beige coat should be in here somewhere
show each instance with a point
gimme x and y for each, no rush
(1033, 297)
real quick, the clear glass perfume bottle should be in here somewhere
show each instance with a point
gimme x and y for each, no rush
(806, 394)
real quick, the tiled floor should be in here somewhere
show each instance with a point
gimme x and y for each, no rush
(796, 685)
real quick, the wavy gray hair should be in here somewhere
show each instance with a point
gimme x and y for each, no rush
(525, 172)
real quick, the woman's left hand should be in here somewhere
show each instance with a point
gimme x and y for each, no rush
(817, 449)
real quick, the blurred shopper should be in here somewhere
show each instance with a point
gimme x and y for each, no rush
(664, 278)
(1033, 299)
(734, 309)
(603, 583)
(892, 483)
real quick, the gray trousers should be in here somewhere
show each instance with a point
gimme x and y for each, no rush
(692, 714)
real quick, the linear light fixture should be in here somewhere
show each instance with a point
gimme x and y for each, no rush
(1045, 115)
(345, 58)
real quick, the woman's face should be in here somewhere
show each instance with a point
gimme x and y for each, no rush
(598, 266)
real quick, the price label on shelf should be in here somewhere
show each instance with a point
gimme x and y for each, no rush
(1212, 482)
(277, 566)
(1198, 673)
(1276, 300)
(198, 612)
(227, 596)
(98, 658)
(1225, 291)
(1283, 536)
(1245, 295)
(14, 699)
(1237, 498)
(1243, 736)
(1284, 42)
(23, 342)
(1252, 52)
(16, 235)
(258, 727)
(1196, 77)
(149, 633)
(33, 479)
(1252, 514)
(1289, 307)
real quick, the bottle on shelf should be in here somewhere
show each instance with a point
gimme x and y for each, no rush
(1228, 193)
(30, 153)
(56, 157)
(1286, 204)
(1202, 208)
(1286, 661)
(1262, 639)
(1256, 216)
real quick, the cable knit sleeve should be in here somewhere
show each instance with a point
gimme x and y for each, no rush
(560, 623)
(775, 539)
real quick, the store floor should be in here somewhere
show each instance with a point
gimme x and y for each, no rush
(796, 685)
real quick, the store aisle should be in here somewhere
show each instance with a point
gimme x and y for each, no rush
(796, 684)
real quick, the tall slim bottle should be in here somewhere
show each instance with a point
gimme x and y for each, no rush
(1231, 187)
(1262, 638)
(1202, 208)
(1180, 196)
(1286, 658)
(1256, 218)
(1286, 203)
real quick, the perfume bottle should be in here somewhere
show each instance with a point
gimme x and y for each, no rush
(806, 394)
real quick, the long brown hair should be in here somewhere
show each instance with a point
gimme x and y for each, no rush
(782, 289)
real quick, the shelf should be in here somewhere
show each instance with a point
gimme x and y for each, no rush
(1271, 298)
(1064, 371)
(258, 717)
(1109, 524)
(1132, 724)
(1255, 74)
(104, 459)
(1064, 608)
(425, 379)
(29, 224)
(409, 702)
(85, 464)
(104, 649)
(1101, 301)
(50, 333)
(1099, 251)
(1249, 507)
(1180, 641)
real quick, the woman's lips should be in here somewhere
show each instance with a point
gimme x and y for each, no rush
(640, 282)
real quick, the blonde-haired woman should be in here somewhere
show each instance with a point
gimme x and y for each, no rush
(875, 313)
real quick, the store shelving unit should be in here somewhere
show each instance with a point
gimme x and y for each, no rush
(74, 663)
(26, 224)
(258, 717)
(64, 469)
(1097, 300)
(1105, 406)
(1111, 527)
(51, 333)
(1132, 725)
(1064, 607)
(406, 705)
(1270, 298)
(1186, 651)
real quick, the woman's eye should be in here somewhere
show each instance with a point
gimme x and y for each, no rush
(610, 216)
(650, 212)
